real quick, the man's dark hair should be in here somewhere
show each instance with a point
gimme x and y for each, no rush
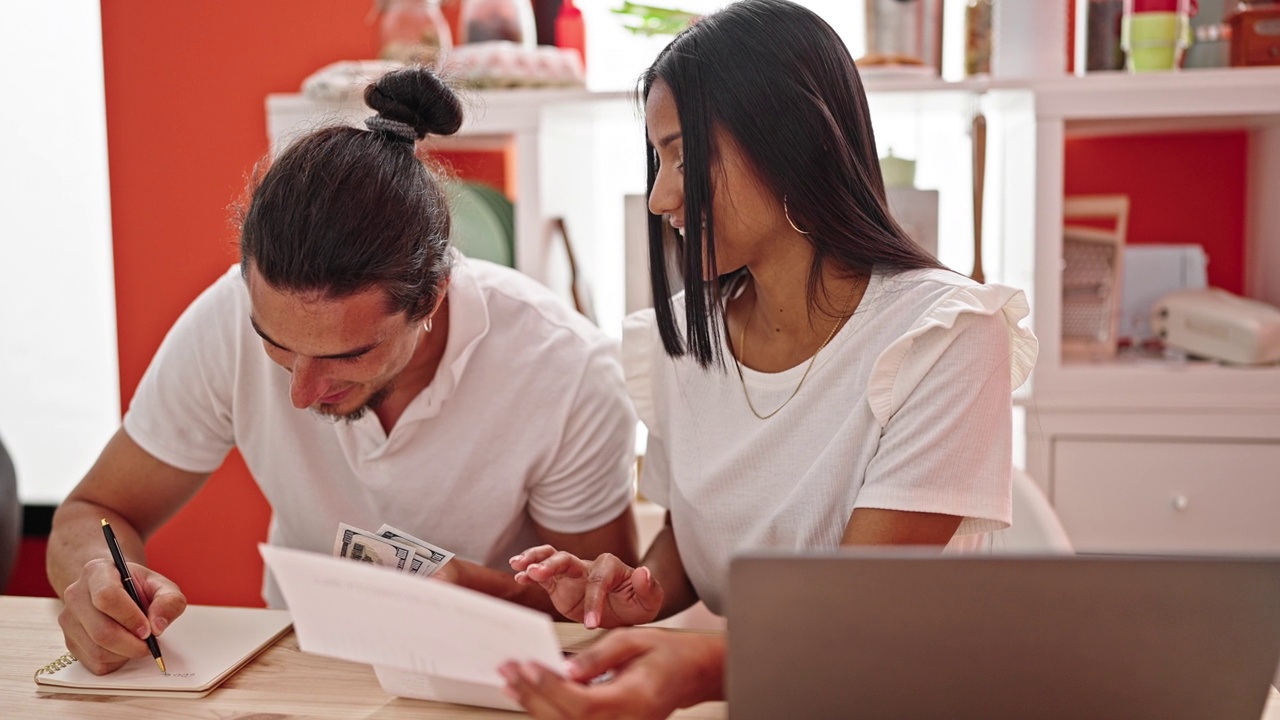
(344, 209)
(777, 79)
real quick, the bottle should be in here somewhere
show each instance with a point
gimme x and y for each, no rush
(977, 41)
(1102, 35)
(570, 32)
(413, 32)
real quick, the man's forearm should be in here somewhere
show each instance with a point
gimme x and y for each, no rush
(76, 538)
(502, 585)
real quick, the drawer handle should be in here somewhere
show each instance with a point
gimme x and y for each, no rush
(1180, 502)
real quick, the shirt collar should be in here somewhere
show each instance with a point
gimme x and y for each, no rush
(468, 325)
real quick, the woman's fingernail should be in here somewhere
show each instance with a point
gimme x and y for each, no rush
(591, 620)
(514, 558)
(142, 631)
(158, 626)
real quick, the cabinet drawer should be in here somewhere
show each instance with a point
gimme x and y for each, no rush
(1168, 496)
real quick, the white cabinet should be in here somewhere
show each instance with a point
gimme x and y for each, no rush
(1144, 454)
(1161, 482)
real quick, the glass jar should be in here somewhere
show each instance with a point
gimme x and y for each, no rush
(904, 33)
(1155, 33)
(485, 20)
(413, 32)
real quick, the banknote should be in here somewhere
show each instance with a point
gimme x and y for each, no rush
(364, 546)
(429, 557)
(390, 547)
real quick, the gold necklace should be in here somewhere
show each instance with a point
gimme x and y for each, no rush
(742, 354)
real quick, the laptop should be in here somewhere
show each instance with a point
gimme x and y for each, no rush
(901, 634)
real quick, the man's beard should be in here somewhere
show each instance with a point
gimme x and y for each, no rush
(374, 400)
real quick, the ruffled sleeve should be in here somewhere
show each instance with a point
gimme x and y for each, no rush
(639, 334)
(899, 370)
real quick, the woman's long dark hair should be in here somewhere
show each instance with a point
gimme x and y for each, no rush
(344, 209)
(777, 78)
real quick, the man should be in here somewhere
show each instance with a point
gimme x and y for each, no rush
(368, 375)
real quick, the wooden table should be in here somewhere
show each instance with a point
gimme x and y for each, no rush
(283, 682)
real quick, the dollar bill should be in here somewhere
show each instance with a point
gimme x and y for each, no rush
(364, 546)
(431, 557)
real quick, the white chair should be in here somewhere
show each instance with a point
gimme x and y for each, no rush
(1036, 527)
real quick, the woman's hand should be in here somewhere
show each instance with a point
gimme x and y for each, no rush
(603, 593)
(653, 672)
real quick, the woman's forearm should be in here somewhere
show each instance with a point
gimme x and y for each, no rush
(663, 561)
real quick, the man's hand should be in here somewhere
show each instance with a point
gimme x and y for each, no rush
(654, 672)
(103, 627)
(603, 593)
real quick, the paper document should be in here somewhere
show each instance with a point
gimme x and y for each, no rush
(426, 639)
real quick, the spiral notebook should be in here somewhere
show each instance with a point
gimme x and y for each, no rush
(202, 648)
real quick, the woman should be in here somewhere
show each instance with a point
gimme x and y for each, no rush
(822, 381)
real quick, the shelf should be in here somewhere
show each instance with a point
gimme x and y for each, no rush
(1220, 97)
(1216, 93)
(1031, 125)
(486, 113)
(1158, 384)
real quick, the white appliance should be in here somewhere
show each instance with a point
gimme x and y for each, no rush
(917, 212)
(1216, 324)
(1150, 273)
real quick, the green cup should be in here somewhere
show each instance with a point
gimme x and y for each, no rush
(1154, 40)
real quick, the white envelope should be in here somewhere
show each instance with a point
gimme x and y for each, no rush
(426, 639)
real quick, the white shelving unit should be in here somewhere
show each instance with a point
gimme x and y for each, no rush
(1144, 454)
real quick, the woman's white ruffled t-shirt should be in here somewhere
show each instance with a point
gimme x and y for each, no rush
(907, 408)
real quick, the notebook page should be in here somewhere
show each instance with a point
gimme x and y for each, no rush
(202, 647)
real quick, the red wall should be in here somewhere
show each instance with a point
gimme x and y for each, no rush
(1183, 188)
(185, 91)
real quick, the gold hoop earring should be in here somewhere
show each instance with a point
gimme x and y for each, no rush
(426, 324)
(790, 222)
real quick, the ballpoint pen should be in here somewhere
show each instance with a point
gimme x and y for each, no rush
(127, 580)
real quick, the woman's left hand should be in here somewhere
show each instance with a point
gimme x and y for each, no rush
(605, 592)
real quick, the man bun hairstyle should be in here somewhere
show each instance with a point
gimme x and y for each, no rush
(418, 99)
(343, 209)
